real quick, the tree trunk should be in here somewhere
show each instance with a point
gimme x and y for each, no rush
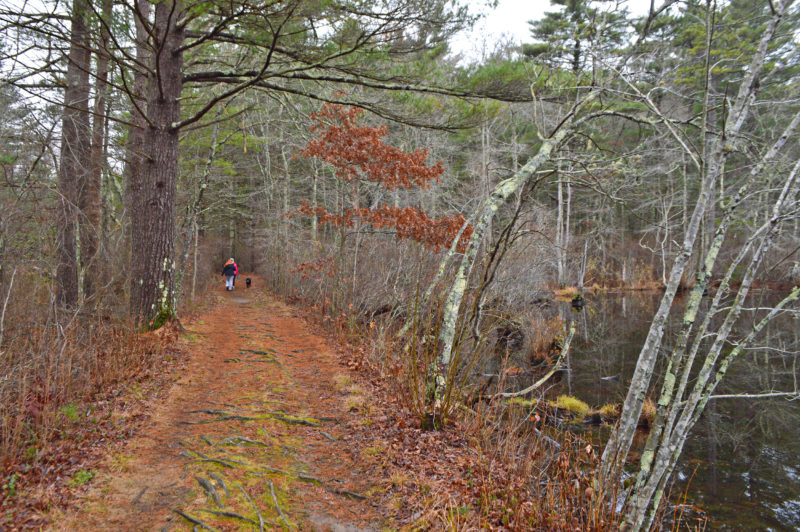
(315, 179)
(559, 236)
(90, 202)
(74, 151)
(135, 156)
(153, 202)
(667, 436)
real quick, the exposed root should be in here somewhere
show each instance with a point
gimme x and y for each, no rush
(194, 521)
(224, 513)
(328, 436)
(237, 440)
(295, 420)
(209, 489)
(139, 496)
(221, 483)
(223, 418)
(278, 506)
(255, 508)
(210, 411)
(223, 463)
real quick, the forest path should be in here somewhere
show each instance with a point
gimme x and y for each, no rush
(246, 439)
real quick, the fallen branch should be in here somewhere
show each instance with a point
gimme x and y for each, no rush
(548, 439)
(351, 494)
(556, 367)
(772, 395)
(328, 436)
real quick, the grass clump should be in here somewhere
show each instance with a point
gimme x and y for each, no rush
(82, 477)
(568, 292)
(611, 410)
(356, 390)
(572, 404)
(341, 382)
(70, 412)
(648, 413)
(354, 403)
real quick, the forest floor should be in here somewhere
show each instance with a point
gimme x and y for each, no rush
(255, 434)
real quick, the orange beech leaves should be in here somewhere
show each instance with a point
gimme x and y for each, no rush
(358, 152)
(415, 224)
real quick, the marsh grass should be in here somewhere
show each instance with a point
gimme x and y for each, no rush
(529, 481)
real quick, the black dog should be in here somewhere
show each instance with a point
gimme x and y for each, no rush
(247, 282)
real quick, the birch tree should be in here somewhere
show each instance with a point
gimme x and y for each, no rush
(710, 161)
(680, 405)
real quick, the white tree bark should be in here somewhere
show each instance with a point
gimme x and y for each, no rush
(482, 219)
(617, 448)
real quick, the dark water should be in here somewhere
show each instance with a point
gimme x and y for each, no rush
(742, 463)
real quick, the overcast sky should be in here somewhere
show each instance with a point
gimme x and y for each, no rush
(509, 21)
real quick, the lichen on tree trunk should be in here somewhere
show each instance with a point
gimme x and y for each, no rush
(483, 217)
(153, 198)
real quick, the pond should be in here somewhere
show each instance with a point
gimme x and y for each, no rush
(742, 463)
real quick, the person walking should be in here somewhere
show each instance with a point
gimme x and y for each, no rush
(229, 271)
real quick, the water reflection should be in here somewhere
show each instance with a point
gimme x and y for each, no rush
(741, 463)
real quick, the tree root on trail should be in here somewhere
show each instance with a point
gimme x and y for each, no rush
(295, 420)
(224, 513)
(211, 411)
(223, 463)
(209, 489)
(194, 520)
(203, 458)
(221, 483)
(346, 493)
(278, 506)
(222, 418)
(255, 508)
(237, 440)
(139, 496)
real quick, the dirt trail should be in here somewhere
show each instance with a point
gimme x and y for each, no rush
(247, 439)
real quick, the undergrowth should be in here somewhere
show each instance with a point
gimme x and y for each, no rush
(503, 471)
